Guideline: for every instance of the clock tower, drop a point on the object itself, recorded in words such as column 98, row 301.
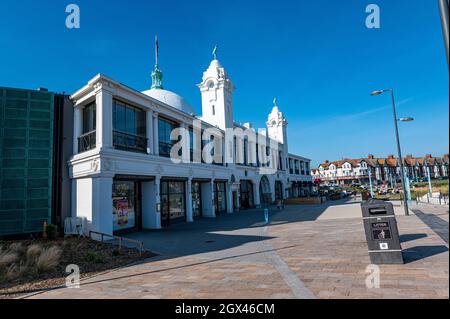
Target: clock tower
column 277, row 125
column 217, row 93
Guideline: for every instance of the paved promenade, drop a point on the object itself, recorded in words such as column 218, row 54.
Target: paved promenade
column 306, row 252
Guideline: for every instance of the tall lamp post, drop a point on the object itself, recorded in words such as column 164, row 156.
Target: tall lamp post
column 443, row 9
column 405, row 119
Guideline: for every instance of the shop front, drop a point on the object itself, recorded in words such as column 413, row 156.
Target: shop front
column 247, row 199
column 173, row 202
column 220, row 198
column 126, row 198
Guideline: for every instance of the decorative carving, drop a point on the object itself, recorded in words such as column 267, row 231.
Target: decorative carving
column 95, row 165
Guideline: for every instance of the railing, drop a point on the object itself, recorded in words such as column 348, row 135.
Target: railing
column 87, row 141
column 165, row 148
column 120, row 240
column 437, row 199
column 129, row 142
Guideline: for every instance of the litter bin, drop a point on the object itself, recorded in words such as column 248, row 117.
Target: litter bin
column 381, row 232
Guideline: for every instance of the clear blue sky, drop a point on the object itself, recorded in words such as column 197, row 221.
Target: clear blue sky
column 317, row 57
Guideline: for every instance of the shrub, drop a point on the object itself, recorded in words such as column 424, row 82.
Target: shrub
column 33, row 253
column 48, row 259
column 17, row 248
column 94, row 258
column 7, row 258
column 116, row 252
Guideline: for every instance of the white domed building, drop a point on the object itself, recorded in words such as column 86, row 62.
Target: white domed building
column 141, row 158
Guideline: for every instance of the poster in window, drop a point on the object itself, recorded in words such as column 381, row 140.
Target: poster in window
column 124, row 217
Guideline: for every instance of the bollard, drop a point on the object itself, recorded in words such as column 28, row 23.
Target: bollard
column 266, row 215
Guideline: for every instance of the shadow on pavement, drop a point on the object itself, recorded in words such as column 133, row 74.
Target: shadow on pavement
column 226, row 231
column 421, row 252
column 410, row 237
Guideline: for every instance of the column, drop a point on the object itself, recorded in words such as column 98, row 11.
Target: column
column 213, row 206
column 149, row 122
column 238, row 199
column 208, row 206
column 158, row 201
column 151, row 218
column 189, row 210
column 229, row 198
column 104, row 119
column 256, row 199
column 77, row 127
column 102, row 205
column 155, row 138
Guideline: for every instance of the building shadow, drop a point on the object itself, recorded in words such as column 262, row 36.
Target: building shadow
column 226, row 231
column 421, row 252
column 411, row 237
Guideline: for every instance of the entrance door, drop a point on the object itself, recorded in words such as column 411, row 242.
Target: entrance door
column 278, row 190
column 197, row 199
column 246, row 194
column 220, row 201
column 173, row 202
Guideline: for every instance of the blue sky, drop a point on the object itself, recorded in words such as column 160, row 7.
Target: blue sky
column 317, row 57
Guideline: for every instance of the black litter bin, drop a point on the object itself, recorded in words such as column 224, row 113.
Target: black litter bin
column 381, row 232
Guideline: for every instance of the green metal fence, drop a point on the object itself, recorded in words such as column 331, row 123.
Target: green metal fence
column 26, row 160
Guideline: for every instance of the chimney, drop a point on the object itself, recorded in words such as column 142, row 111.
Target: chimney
column 409, row 156
column 390, row 156
column 428, row 156
column 371, row 156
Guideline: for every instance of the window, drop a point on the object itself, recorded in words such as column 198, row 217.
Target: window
column 213, row 110
column 89, row 118
column 128, row 119
column 129, row 127
column 165, row 128
column 87, row 140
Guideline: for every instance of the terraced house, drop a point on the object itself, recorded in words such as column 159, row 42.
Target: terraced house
column 382, row 170
column 124, row 177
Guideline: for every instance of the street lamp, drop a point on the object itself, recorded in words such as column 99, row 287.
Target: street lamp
column 443, row 9
column 405, row 119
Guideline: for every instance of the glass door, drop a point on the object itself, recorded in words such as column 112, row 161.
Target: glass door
column 197, row 199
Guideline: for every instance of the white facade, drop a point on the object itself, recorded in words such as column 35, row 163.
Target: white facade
column 107, row 155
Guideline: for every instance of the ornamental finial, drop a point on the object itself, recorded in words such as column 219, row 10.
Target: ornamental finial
column 214, row 53
column 157, row 75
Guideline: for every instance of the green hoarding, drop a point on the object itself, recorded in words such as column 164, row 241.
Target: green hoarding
column 26, row 160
